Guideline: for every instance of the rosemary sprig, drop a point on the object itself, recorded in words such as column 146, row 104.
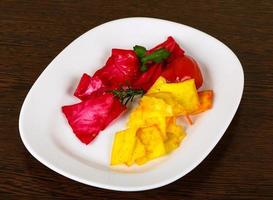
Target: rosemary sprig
column 126, row 94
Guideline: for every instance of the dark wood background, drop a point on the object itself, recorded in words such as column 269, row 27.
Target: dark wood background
column 240, row 167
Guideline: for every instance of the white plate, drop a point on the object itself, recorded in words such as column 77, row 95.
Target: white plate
column 48, row 137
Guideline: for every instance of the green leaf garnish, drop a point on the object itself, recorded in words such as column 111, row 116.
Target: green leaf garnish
column 140, row 51
column 143, row 68
column 157, row 56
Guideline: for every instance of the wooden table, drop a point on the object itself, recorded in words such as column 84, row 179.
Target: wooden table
column 240, row 167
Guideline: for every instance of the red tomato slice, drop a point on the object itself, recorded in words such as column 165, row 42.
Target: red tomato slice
column 183, row 68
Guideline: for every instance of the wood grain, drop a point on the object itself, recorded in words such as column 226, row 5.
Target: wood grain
column 240, row 167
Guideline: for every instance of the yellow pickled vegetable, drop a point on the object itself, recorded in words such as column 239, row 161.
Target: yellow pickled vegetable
column 175, row 135
column 177, row 108
column 153, row 142
column 152, row 130
column 152, row 111
column 156, row 86
column 153, row 106
column 185, row 92
column 123, row 147
column 136, row 118
column 139, row 152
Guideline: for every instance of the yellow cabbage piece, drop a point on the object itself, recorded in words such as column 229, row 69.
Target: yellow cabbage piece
column 154, row 106
column 123, row 146
column 185, row 92
column 156, row 86
column 138, row 153
column 168, row 97
column 153, row 142
column 152, row 130
column 155, row 111
column 135, row 118
column 175, row 134
column 152, row 111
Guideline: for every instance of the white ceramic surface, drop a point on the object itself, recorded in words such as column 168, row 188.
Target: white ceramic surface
column 48, row 137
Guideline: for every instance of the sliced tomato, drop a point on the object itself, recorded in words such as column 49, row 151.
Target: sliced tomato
column 183, row 68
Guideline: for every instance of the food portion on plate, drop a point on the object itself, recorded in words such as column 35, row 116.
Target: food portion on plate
column 152, row 131
column 167, row 81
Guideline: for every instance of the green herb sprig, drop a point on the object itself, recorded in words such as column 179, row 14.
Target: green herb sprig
column 127, row 94
column 157, row 56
